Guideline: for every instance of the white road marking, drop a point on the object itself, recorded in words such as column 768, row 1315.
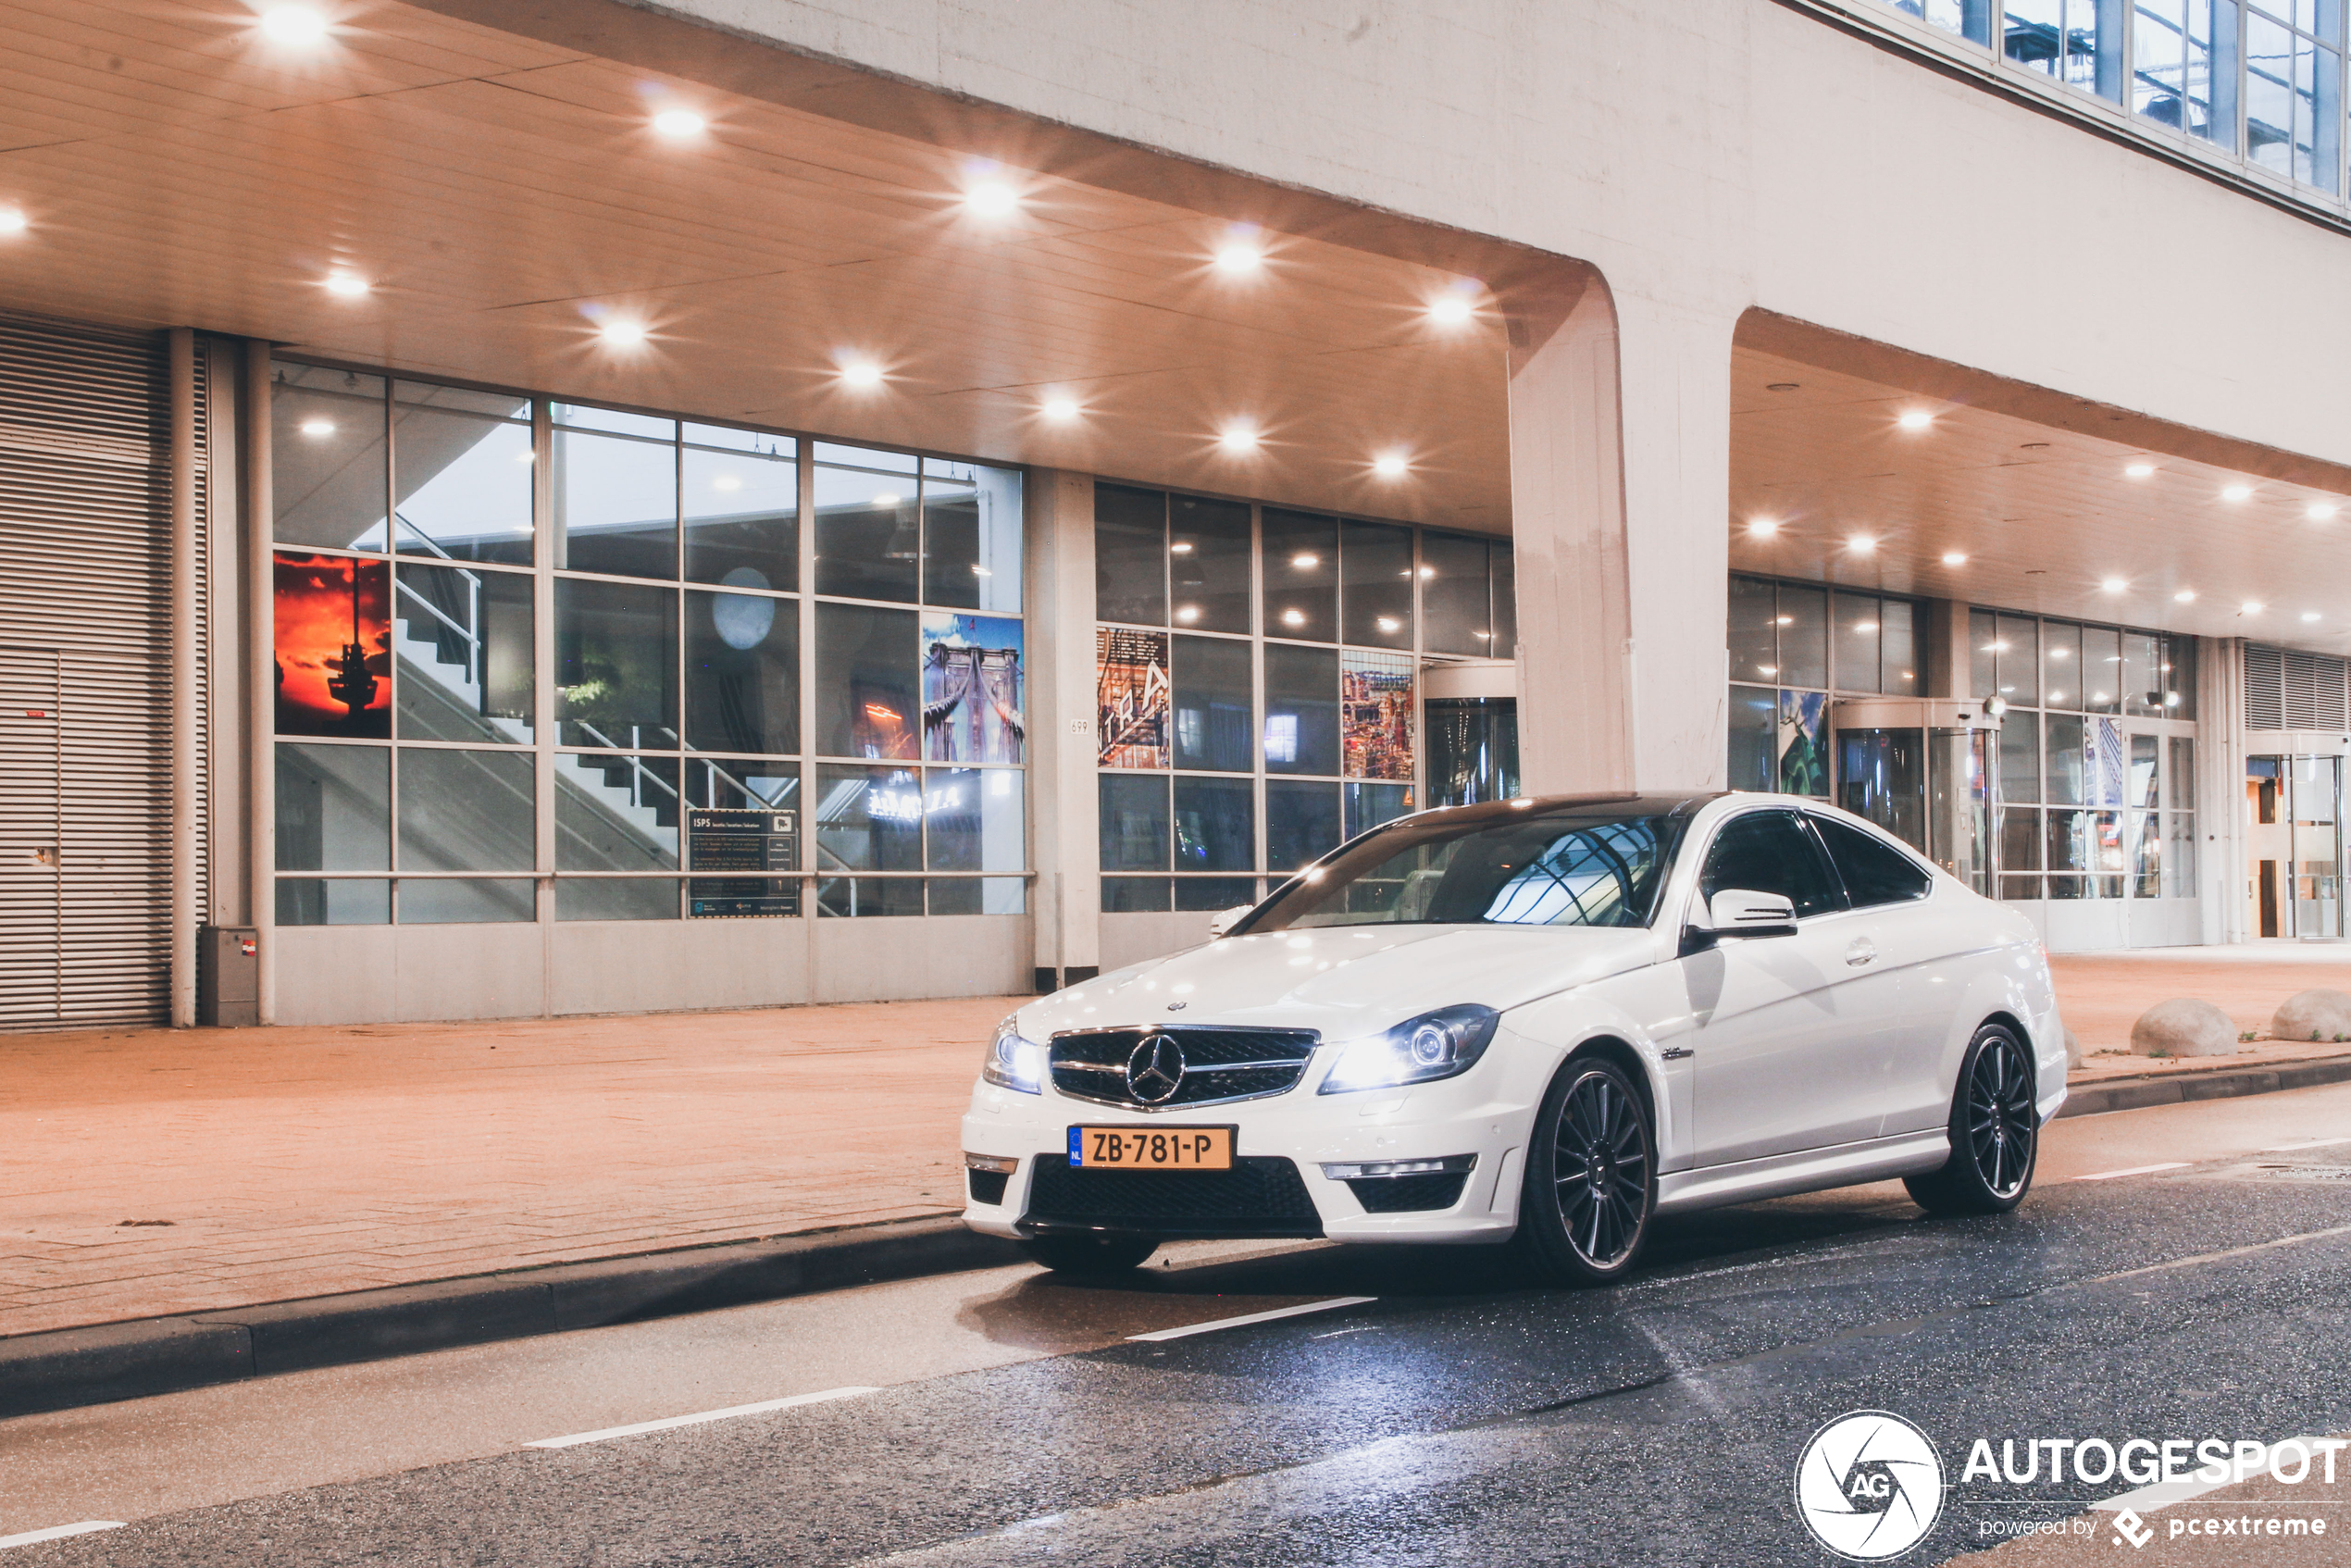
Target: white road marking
column 2163, row 1494
column 59, row 1532
column 1255, row 1317
column 667, row 1423
column 2135, row 1170
column 2307, row 1143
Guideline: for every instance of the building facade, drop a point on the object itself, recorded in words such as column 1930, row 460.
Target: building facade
column 509, row 511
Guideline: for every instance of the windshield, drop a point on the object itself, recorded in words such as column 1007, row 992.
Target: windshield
column 1578, row 866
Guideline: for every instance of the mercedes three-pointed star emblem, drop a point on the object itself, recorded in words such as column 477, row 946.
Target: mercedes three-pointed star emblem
column 1156, row 1070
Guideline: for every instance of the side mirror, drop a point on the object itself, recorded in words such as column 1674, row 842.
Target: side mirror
column 1740, row 912
column 1225, row 920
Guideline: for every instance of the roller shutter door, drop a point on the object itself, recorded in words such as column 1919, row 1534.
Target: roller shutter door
column 86, row 674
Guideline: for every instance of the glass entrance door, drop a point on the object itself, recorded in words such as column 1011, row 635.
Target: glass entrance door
column 2294, row 847
column 1472, row 750
column 1932, row 789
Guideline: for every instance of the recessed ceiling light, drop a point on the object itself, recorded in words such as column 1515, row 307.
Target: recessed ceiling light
column 1915, row 419
column 1305, row 561
column 1762, row 528
column 1239, row 256
column 1865, row 625
column 1181, row 547
column 347, row 285
column 1783, row 386
column 1389, row 623
column 1188, row 613
column 2186, row 596
column 1060, row 409
column 1239, row 438
column 1293, row 617
column 316, row 429
column 1954, row 558
column 992, row 198
column 1767, row 669
column 679, row 123
column 1388, row 466
column 1782, row 620
column 622, row 334
column 726, row 482
column 886, row 499
column 2309, row 615
column 2114, row 585
column 2319, row 511
column 2250, row 607
column 861, row 373
column 2139, row 470
column 1861, row 544
column 2236, row 492
column 1449, row 309
column 12, row 220
column 293, row 24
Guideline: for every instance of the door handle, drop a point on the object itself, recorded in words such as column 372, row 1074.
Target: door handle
column 1860, row 950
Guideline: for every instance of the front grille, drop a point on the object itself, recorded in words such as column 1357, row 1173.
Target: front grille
column 1400, row 1195
column 1219, row 1064
column 1262, row 1195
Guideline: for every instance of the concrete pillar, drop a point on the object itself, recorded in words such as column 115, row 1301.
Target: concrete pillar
column 2224, row 874
column 1943, row 644
column 1620, row 501
column 1065, row 904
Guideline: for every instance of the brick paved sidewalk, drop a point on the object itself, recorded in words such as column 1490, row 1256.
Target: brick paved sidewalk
column 301, row 1162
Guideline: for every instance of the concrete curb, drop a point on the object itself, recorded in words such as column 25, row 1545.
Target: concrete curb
column 67, row 1367
column 2132, row 1094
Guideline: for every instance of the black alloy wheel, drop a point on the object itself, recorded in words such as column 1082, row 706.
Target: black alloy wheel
column 1995, row 1132
column 1591, row 1177
column 1089, row 1257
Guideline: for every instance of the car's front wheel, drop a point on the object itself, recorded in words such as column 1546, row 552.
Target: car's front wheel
column 1591, row 1177
column 1995, row 1132
column 1089, row 1257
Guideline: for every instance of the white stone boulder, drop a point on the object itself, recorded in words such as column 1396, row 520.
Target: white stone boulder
column 2318, row 1014
column 2184, row 1027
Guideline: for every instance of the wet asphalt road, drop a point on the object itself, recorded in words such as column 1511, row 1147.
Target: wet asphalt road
column 1460, row 1417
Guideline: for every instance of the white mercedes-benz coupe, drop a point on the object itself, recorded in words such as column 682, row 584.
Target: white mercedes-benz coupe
column 1540, row 1021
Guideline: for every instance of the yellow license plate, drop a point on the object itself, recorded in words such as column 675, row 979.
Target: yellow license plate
column 1151, row 1149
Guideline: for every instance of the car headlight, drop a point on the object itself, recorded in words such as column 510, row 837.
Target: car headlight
column 1014, row 1063
column 1434, row 1045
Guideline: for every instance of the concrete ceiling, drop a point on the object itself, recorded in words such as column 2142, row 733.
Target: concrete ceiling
column 2046, row 513
column 505, row 194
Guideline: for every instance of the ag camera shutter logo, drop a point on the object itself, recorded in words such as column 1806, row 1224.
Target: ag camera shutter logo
column 1868, row 1486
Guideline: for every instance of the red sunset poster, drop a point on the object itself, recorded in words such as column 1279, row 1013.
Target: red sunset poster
column 334, row 646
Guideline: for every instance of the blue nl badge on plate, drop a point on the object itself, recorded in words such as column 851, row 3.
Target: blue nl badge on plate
column 1077, row 1145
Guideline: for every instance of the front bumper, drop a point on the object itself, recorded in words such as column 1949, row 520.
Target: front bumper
column 1281, row 1144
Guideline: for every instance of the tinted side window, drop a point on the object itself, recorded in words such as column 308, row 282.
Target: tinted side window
column 1769, row 852
column 1874, row 872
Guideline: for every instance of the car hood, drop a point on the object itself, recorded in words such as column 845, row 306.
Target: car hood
column 1343, row 981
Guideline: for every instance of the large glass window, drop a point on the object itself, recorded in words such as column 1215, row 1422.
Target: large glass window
column 1214, row 704
column 463, row 462
column 328, row 463
column 743, row 672
column 869, row 524
column 672, row 573
column 1208, row 550
column 462, row 652
column 615, row 491
column 1301, row 576
column 868, row 704
column 740, row 493
column 1314, row 715
column 616, row 664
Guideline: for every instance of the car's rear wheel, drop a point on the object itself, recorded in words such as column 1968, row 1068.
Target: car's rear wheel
column 1089, row 1257
column 1591, row 1177
column 1995, row 1132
